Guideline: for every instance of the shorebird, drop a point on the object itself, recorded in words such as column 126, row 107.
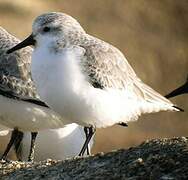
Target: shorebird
column 180, row 90
column 20, row 106
column 57, row 144
column 14, row 77
column 84, row 79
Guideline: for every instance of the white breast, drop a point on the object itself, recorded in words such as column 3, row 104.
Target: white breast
column 58, row 80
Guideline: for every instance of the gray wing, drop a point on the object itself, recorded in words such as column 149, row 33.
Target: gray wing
column 15, row 74
column 18, row 63
column 106, row 67
column 13, row 86
column 18, row 145
column 18, row 89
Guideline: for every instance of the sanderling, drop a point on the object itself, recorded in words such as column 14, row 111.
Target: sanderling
column 14, row 70
column 180, row 90
column 57, row 144
column 85, row 79
column 20, row 107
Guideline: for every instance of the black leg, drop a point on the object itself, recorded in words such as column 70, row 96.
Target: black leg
column 86, row 130
column 91, row 133
column 17, row 145
column 32, row 147
column 13, row 138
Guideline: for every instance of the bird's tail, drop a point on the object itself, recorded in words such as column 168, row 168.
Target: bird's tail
column 152, row 101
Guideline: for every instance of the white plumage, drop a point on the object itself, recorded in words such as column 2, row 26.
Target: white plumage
column 27, row 116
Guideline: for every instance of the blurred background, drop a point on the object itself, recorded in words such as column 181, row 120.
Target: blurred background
column 153, row 35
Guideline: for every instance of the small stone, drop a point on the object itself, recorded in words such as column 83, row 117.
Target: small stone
column 140, row 160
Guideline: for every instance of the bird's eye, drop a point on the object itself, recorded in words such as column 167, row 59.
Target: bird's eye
column 46, row 29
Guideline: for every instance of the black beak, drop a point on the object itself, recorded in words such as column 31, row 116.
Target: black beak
column 181, row 90
column 27, row 42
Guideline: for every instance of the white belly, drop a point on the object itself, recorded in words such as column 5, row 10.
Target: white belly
column 27, row 116
column 61, row 84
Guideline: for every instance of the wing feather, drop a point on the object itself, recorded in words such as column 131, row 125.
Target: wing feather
column 107, row 67
column 15, row 73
